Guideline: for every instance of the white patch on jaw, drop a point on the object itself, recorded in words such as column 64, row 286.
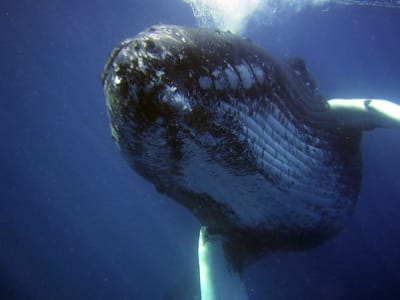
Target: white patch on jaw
column 232, row 77
column 175, row 99
column 205, row 82
column 245, row 75
column 117, row 80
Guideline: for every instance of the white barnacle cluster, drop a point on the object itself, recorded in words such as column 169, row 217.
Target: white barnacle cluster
column 175, row 99
column 156, row 79
column 174, row 34
column 115, row 78
column 142, row 65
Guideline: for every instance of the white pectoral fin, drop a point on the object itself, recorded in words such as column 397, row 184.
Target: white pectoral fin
column 218, row 279
column 366, row 113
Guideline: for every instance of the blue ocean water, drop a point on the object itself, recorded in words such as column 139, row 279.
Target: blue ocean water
column 77, row 223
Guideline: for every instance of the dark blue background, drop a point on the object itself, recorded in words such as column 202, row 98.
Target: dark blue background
column 77, row 223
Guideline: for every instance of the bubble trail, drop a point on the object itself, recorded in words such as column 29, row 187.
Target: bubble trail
column 234, row 15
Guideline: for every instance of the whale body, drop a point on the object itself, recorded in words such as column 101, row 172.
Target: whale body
column 243, row 141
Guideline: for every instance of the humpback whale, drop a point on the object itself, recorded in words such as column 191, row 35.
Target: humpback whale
column 245, row 142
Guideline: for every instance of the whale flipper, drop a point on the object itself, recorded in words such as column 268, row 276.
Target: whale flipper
column 219, row 278
column 366, row 113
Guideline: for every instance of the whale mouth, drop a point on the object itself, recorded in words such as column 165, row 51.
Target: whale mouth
column 234, row 136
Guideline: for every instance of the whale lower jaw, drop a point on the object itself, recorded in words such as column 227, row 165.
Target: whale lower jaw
column 244, row 203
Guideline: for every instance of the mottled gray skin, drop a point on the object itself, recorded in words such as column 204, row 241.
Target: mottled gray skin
column 244, row 142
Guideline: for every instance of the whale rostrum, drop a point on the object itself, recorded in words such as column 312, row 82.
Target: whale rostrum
column 245, row 142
